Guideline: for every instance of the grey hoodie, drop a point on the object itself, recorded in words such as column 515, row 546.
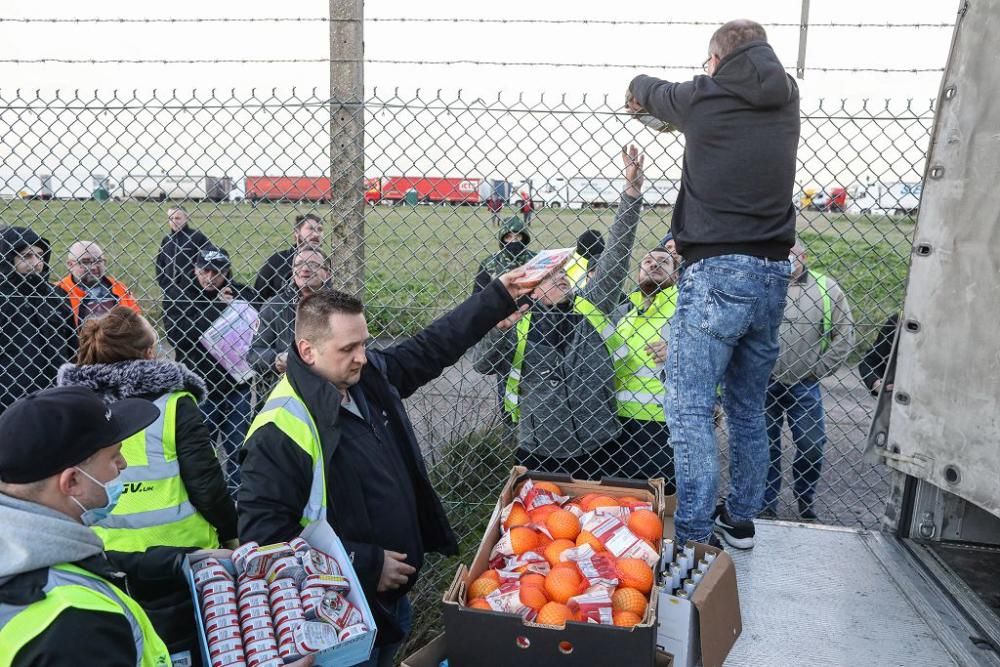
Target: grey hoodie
column 567, row 399
column 34, row 536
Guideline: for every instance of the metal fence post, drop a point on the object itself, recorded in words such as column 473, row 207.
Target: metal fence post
column 347, row 144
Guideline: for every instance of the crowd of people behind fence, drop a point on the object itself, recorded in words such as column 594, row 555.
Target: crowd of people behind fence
column 726, row 317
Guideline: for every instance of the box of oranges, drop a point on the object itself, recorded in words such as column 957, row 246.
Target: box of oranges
column 565, row 574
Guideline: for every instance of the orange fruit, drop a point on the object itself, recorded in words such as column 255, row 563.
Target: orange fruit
column 587, row 537
column 630, row 501
column 625, row 619
column 480, row 603
column 563, row 583
column 543, row 542
column 518, row 517
column 585, row 499
column 549, row 486
column 555, row 613
column 533, row 579
column 629, row 599
column 563, row 524
column 567, row 564
column 482, row 587
column 647, row 525
column 540, row 514
column 634, row 573
column 523, row 539
column 557, row 547
column 600, row 501
column 491, row 574
column 534, row 597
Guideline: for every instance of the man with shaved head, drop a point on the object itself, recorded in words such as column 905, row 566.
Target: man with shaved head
column 91, row 291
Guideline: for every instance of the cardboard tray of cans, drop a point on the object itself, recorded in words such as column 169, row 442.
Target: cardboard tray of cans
column 487, row 638
column 293, row 600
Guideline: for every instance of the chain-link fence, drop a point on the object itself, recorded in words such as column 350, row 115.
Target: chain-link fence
column 443, row 175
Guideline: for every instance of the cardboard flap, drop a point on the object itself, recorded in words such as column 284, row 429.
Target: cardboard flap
column 719, row 614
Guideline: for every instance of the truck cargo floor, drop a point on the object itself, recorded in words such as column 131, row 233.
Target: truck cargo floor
column 817, row 595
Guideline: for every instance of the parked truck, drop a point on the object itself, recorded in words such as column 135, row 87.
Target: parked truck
column 161, row 187
column 431, row 189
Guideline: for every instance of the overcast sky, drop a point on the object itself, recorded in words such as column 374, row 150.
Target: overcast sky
column 665, row 45
column 77, row 145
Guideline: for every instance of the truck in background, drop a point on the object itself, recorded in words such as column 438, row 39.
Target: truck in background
column 592, row 192
column 163, row 187
column 435, row 190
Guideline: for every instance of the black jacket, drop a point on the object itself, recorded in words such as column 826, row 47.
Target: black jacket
column 190, row 316
column 37, row 332
column 199, row 466
column 175, row 261
column 741, row 132
column 142, row 576
column 875, row 364
column 275, row 274
column 275, row 334
column 276, row 473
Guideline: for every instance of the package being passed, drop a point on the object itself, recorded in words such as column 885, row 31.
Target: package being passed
column 543, row 264
column 272, row 604
column 565, row 574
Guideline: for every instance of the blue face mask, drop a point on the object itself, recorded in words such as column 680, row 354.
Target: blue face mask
column 112, row 489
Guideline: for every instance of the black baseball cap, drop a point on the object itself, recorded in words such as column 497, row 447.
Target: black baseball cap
column 212, row 258
column 54, row 429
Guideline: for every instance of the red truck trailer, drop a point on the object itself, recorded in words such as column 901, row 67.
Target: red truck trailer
column 432, row 189
column 301, row 188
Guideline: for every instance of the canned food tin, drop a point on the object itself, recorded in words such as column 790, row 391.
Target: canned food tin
column 253, row 587
column 285, row 595
column 251, row 613
column 227, row 646
column 219, row 587
column 288, row 615
column 287, row 605
column 287, row 567
column 258, row 634
column 253, row 601
column 218, row 599
column 281, row 585
column 352, row 631
column 288, row 652
column 317, row 562
column 209, row 574
column 312, row 637
column 216, row 610
column 257, row 623
column 223, row 634
column 256, row 648
column 286, row 630
column 220, row 622
column 298, row 544
column 330, row 582
column 257, row 562
column 231, row 659
column 335, row 609
column 240, row 554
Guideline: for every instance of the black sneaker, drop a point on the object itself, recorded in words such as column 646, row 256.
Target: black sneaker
column 714, row 541
column 767, row 514
column 807, row 513
column 738, row 534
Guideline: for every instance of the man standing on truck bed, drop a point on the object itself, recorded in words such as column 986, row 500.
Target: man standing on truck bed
column 733, row 224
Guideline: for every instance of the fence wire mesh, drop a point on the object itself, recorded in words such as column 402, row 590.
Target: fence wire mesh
column 442, row 174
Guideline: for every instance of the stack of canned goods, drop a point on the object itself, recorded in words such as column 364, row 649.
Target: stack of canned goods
column 286, row 601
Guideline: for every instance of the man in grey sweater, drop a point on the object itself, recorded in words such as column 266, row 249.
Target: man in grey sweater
column 555, row 356
column 816, row 335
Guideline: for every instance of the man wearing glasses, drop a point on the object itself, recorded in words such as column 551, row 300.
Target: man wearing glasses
column 91, row 291
column 733, row 225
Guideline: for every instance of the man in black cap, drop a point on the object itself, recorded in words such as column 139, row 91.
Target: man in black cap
column 62, row 602
column 227, row 404
column 589, row 247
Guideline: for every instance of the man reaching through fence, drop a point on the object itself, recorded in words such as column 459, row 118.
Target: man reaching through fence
column 733, row 224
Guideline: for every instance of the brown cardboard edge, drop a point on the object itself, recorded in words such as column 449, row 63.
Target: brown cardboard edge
column 717, row 599
column 430, row 655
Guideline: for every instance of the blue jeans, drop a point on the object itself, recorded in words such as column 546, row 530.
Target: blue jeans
column 802, row 404
column 724, row 332
column 229, row 420
column 383, row 656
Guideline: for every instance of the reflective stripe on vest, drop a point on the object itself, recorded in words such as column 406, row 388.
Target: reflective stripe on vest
column 576, row 270
column 824, row 290
column 639, row 386
column 155, row 509
column 71, row 587
column 581, row 306
column 289, row 414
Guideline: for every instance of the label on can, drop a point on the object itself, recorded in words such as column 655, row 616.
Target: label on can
column 257, row 562
column 285, row 630
column 253, row 601
column 226, row 646
column 209, row 574
column 298, row 544
column 352, row 631
column 281, row 585
column 219, row 587
column 253, row 587
column 223, row 634
column 222, row 622
column 257, row 623
column 331, row 582
column 285, row 595
column 258, row 634
column 240, row 553
column 254, row 649
column 252, row 613
column 335, row 609
column 218, row 599
column 287, row 567
column 317, row 562
column 312, row 637
column 288, row 652
column 231, row 659
column 216, row 610
column 287, row 605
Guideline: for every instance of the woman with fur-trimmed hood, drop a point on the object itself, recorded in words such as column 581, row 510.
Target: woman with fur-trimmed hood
column 117, row 358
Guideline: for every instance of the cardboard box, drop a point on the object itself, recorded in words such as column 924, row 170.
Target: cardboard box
column 489, row 639
column 318, row 534
column 706, row 626
column 432, row 654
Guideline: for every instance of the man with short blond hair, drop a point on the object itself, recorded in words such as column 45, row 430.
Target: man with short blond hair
column 91, row 291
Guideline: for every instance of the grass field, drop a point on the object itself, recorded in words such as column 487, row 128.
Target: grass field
column 421, row 260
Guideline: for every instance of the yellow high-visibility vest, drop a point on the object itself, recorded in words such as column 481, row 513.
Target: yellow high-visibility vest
column 639, row 386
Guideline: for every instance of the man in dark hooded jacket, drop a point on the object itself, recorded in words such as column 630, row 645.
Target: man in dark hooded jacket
column 514, row 240
column 36, row 324
column 733, row 225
